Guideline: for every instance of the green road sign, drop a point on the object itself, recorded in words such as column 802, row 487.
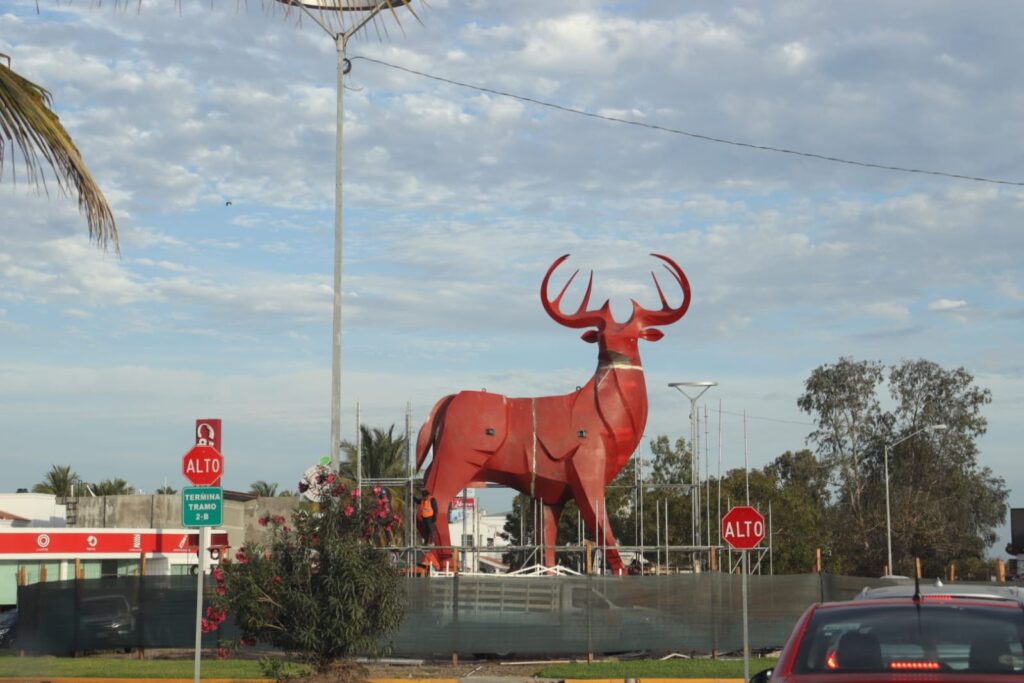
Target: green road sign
column 202, row 506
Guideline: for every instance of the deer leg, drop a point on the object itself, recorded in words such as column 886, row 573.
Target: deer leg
column 444, row 490
column 588, row 490
column 552, row 513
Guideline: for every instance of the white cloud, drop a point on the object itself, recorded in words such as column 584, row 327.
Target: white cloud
column 943, row 305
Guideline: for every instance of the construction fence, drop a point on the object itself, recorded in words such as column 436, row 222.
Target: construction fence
column 464, row 615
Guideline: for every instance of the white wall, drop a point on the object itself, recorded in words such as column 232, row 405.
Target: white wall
column 41, row 509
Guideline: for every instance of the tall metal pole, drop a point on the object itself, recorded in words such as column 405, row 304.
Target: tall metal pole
column 359, row 451
column 719, row 472
column 888, row 518
column 698, row 388
column 340, row 41
column 746, row 467
column 343, row 65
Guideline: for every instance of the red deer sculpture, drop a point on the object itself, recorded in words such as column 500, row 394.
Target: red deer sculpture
column 553, row 448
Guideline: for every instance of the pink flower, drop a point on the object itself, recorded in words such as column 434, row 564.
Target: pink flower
column 277, row 580
column 330, row 478
column 240, row 556
column 222, row 653
column 218, row 574
column 278, row 519
column 356, row 493
column 349, row 510
column 376, row 490
column 222, row 590
column 262, row 521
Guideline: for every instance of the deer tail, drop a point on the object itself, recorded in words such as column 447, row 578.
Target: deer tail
column 430, row 430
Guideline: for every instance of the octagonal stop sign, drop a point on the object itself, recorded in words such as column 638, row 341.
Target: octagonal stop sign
column 203, row 466
column 743, row 527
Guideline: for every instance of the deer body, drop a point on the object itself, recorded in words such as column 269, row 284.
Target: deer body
column 552, row 448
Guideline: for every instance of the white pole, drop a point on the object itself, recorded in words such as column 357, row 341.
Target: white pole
column 340, row 44
column 707, row 481
column 359, row 452
column 746, row 468
column 719, row 472
column 746, row 630
column 204, row 542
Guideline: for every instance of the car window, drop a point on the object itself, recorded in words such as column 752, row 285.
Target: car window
column 930, row 637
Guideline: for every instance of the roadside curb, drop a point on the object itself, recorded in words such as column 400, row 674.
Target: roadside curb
column 644, row 679
column 517, row 679
column 89, row 679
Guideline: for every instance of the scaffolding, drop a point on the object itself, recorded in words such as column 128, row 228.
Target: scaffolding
column 661, row 557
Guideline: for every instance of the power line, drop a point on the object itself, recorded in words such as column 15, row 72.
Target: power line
column 763, row 419
column 696, row 136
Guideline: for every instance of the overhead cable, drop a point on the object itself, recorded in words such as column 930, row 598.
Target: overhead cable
column 696, row 136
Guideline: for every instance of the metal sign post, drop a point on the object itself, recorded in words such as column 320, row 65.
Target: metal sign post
column 746, row 625
column 204, row 542
column 202, row 506
column 743, row 529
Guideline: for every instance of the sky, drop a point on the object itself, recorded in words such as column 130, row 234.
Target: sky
column 211, row 128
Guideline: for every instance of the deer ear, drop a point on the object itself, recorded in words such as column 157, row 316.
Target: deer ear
column 652, row 334
column 590, row 336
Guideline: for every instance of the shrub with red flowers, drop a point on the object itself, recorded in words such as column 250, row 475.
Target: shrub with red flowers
column 321, row 589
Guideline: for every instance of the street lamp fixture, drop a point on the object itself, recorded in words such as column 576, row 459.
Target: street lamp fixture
column 694, row 390
column 888, row 519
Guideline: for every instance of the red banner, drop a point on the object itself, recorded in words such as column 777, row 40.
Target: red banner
column 208, row 433
column 59, row 541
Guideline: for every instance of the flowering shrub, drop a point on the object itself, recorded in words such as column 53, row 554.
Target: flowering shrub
column 320, row 589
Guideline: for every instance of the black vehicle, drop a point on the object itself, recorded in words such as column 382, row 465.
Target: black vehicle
column 8, row 624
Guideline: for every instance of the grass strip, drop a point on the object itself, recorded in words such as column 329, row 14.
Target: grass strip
column 656, row 668
column 103, row 667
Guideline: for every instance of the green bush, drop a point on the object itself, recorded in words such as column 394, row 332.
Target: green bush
column 320, row 591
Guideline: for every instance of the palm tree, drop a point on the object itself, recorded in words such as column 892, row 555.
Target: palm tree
column 166, row 490
column 384, row 456
column 263, row 489
column 28, row 123
column 112, row 487
column 59, row 480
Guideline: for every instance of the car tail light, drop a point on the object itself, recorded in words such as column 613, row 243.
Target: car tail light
column 915, row 666
column 937, row 597
column 831, row 662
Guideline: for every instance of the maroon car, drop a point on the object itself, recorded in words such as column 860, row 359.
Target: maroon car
column 908, row 634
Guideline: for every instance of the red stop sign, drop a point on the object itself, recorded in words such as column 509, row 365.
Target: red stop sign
column 743, row 527
column 203, row 466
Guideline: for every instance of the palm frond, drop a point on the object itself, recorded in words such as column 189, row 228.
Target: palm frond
column 29, row 124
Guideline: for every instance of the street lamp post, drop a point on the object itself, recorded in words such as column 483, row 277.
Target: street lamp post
column 888, row 518
column 693, row 391
column 363, row 11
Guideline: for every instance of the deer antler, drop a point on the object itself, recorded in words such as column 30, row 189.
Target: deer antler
column 666, row 315
column 582, row 317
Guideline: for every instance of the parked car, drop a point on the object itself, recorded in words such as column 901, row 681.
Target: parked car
column 901, row 633
column 106, row 621
column 8, row 624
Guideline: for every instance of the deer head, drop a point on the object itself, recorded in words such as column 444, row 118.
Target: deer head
column 617, row 342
